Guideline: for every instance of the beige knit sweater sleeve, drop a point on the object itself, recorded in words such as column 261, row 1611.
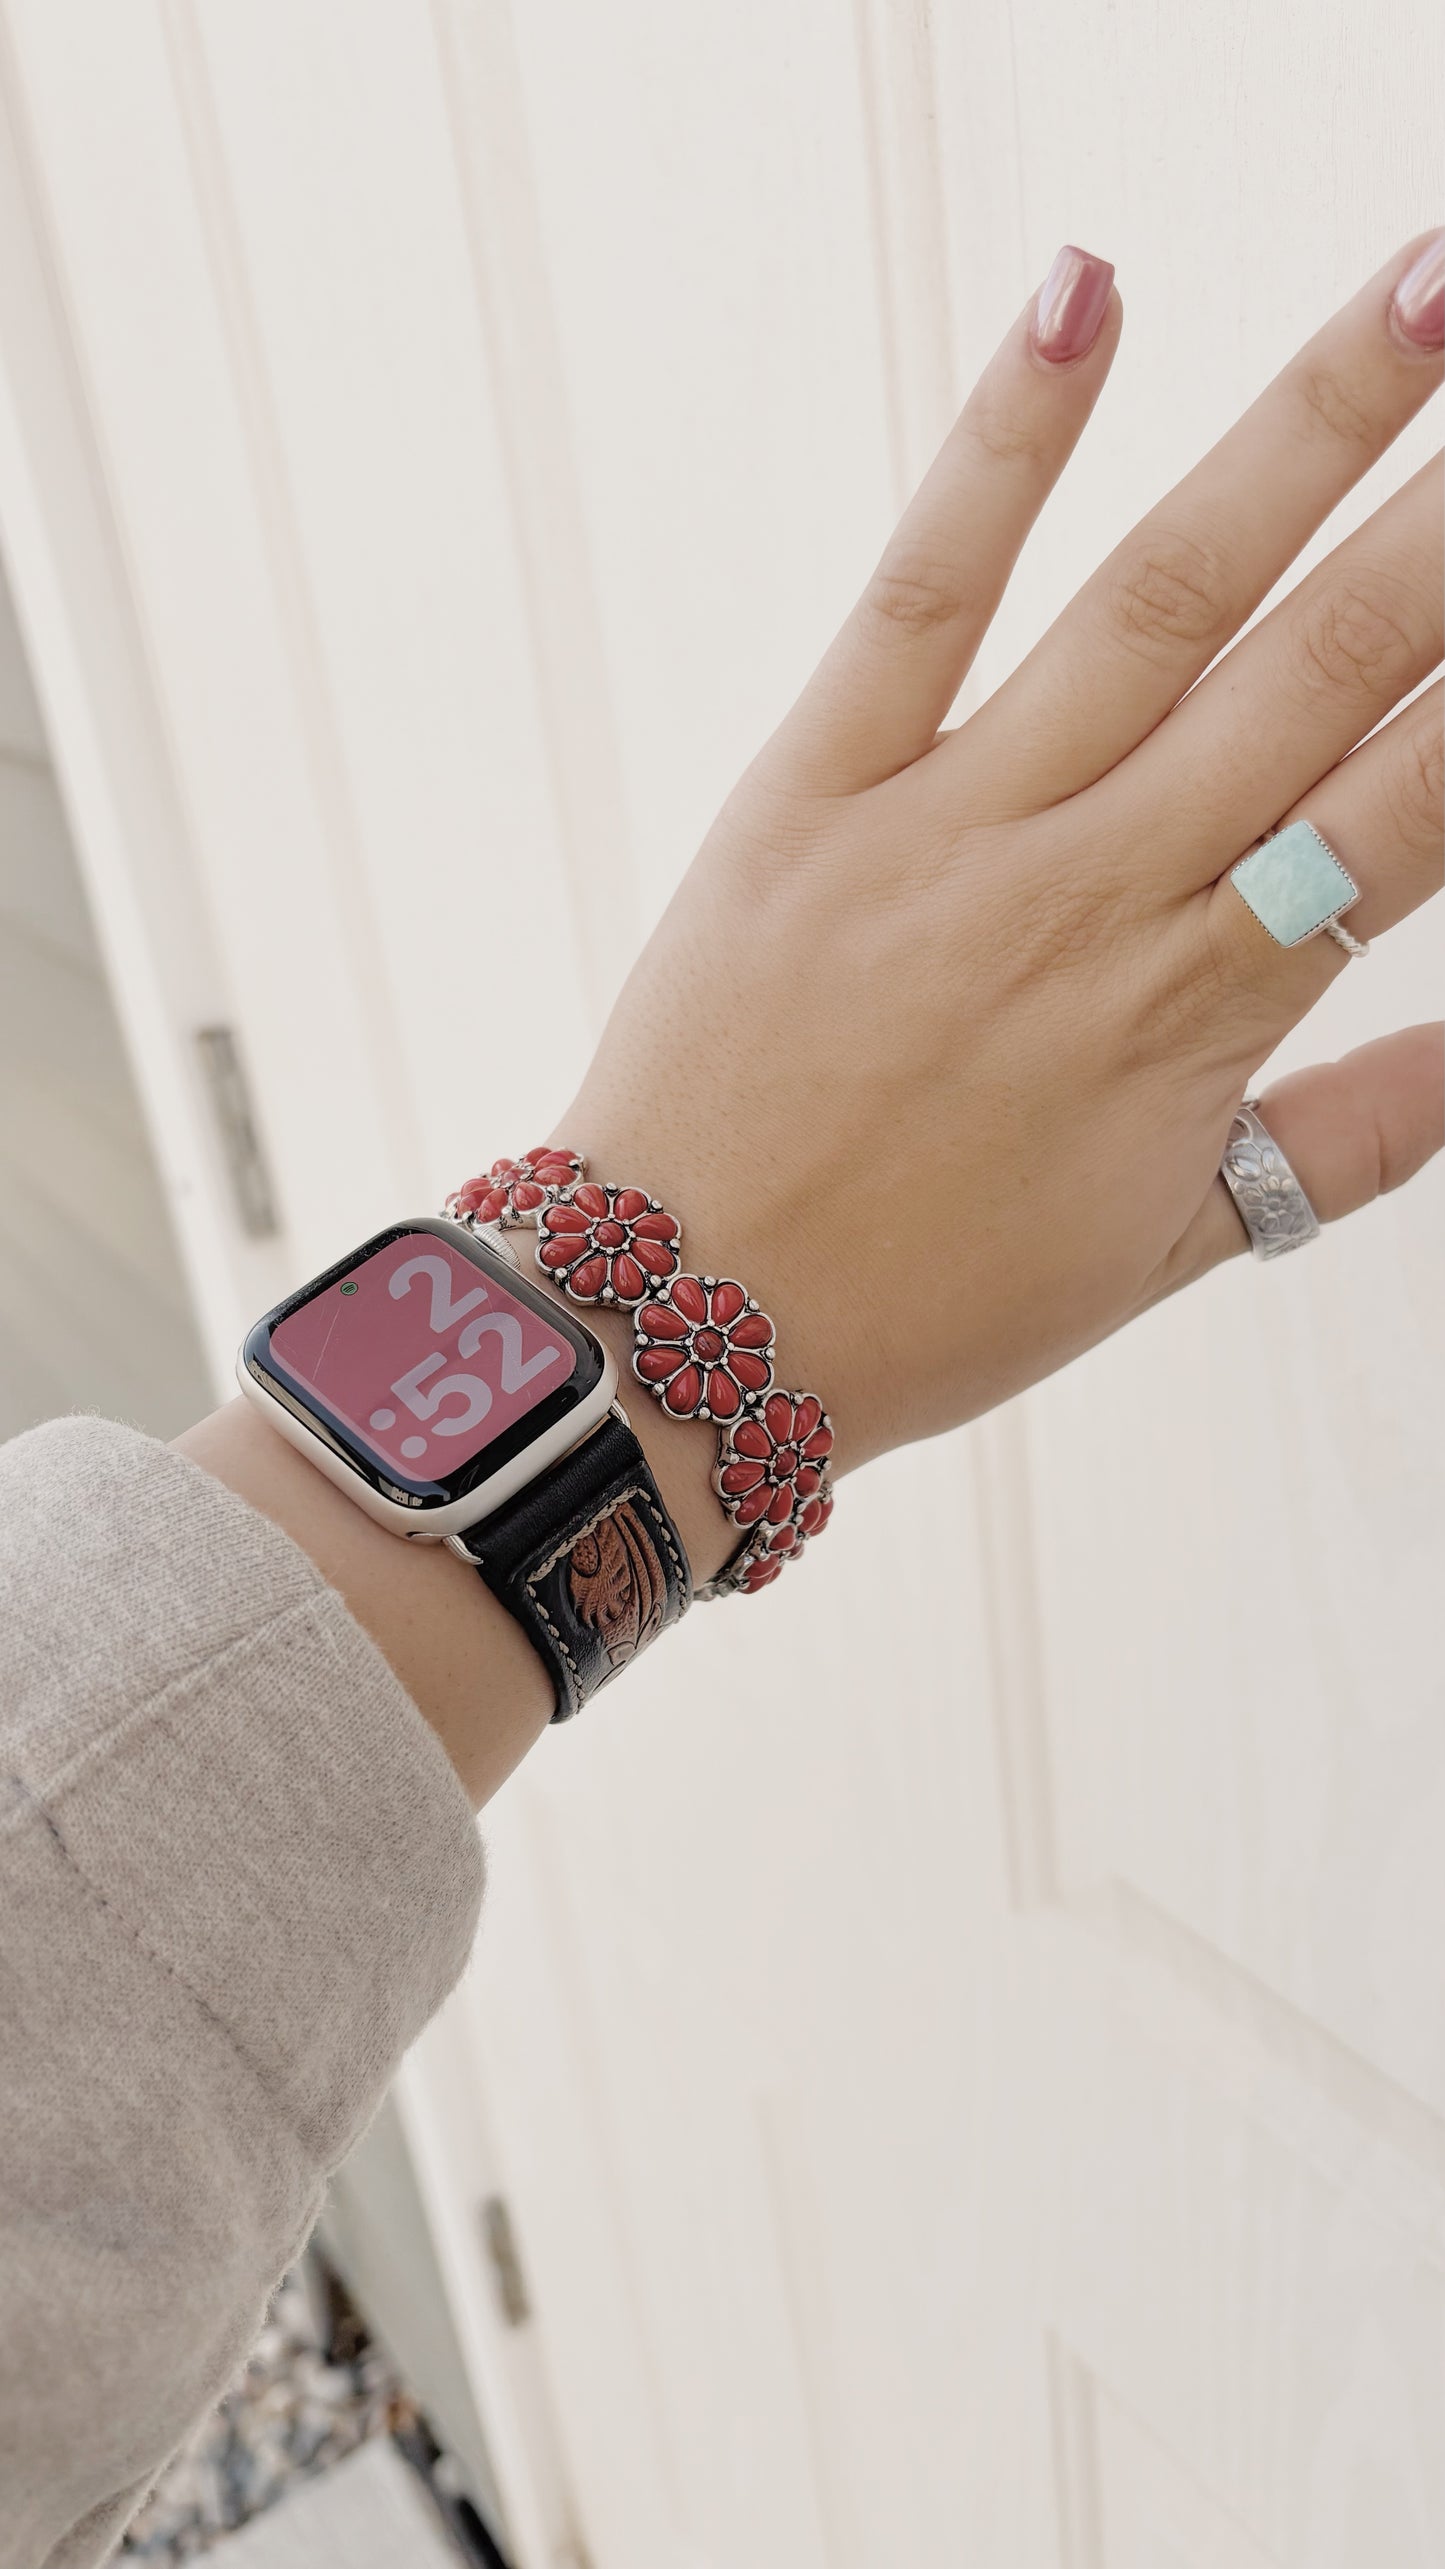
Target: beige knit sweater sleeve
column 237, row 1874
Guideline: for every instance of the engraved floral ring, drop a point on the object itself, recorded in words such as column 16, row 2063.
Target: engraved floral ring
column 1271, row 1203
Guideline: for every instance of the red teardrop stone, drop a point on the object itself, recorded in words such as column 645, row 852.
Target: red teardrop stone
column 756, row 1331
column 628, row 1202
column 728, row 1299
column 657, row 1256
column 658, row 1320
column 683, row 1392
column 655, row 1226
column 753, row 1372
column 735, row 1478
column 628, row 1280
column 778, row 1414
column 657, row 1364
column 751, row 1437
column 723, row 1397
column 689, row 1297
column 589, row 1278
column 593, row 1200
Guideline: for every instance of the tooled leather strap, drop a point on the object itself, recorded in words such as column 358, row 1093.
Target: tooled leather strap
column 589, row 1562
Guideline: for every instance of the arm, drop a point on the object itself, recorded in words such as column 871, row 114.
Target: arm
column 938, row 1047
column 969, row 972
column 457, row 1651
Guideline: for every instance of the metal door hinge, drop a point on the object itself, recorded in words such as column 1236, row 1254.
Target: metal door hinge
column 225, row 1079
column 506, row 2263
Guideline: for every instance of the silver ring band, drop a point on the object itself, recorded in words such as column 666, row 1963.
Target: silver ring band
column 1269, row 1199
column 1342, row 937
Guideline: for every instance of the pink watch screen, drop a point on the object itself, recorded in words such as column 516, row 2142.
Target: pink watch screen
column 425, row 1360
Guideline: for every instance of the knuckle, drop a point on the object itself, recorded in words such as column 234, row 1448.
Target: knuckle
column 1333, row 405
column 1356, row 642
column 1001, row 437
column 912, row 597
column 1172, row 589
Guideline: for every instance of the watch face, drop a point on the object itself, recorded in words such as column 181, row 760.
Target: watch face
column 426, row 1361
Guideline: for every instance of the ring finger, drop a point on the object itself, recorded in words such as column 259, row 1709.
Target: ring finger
column 1381, row 812
column 1291, row 698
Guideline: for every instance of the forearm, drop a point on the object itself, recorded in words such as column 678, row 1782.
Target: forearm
column 465, row 1663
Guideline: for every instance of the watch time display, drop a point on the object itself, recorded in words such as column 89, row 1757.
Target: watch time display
column 427, row 1359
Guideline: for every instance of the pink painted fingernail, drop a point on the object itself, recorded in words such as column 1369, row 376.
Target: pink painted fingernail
column 1073, row 300
column 1419, row 301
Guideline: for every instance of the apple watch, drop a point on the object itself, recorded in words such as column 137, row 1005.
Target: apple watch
column 457, row 1402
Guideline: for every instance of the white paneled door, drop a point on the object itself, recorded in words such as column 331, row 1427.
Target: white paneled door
column 962, row 2041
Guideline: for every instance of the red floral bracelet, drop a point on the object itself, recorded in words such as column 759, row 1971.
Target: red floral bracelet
column 701, row 1345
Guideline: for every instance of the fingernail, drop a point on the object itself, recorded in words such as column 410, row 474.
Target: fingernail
column 1072, row 302
column 1419, row 302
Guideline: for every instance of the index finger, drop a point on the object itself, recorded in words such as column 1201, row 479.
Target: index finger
column 882, row 689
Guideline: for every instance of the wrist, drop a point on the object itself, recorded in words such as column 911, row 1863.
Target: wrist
column 750, row 1498
column 679, row 1453
column 809, row 1272
column 746, row 1237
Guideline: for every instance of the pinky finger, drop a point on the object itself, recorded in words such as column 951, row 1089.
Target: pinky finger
column 1351, row 1130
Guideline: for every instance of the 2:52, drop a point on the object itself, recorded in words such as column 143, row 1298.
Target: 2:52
column 418, row 1389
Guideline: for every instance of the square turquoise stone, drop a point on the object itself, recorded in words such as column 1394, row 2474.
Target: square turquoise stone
column 1294, row 884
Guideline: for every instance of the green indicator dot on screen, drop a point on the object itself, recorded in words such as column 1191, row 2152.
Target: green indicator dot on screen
column 351, row 1288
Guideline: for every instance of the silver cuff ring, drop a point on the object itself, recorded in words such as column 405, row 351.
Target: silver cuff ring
column 1271, row 1203
column 1296, row 887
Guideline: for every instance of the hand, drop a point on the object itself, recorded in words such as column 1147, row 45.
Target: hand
column 939, row 1043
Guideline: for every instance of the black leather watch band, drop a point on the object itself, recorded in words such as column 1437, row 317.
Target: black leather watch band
column 588, row 1560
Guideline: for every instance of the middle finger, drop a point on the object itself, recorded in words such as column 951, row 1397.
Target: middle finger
column 1291, row 699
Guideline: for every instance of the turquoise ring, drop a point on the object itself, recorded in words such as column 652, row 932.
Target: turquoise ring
column 1297, row 888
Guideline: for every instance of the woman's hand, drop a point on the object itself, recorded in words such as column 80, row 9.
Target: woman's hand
column 939, row 1043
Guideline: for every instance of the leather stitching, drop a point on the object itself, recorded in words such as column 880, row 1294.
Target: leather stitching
column 574, row 1536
